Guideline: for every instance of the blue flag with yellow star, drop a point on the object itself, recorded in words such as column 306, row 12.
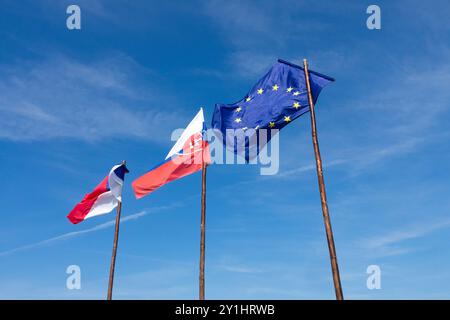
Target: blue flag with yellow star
column 277, row 99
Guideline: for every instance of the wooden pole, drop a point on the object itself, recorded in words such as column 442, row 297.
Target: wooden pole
column 114, row 251
column 323, row 195
column 202, row 235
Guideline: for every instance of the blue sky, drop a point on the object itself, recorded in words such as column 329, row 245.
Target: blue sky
column 74, row 103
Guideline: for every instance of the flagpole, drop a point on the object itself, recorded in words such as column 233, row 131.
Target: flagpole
column 114, row 251
column 323, row 195
column 202, row 234
column 201, row 279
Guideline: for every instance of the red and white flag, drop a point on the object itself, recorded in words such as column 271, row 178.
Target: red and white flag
column 103, row 199
column 186, row 157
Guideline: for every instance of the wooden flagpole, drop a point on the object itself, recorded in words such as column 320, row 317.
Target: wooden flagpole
column 323, row 195
column 114, row 251
column 202, row 233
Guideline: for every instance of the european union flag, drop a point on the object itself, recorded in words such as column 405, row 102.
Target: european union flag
column 277, row 99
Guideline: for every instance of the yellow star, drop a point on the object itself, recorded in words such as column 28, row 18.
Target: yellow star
column 296, row 93
column 248, row 99
column 237, row 120
column 275, row 87
column 260, row 91
column 271, row 124
column 238, row 109
column 289, row 89
column 296, row 105
column 287, row 119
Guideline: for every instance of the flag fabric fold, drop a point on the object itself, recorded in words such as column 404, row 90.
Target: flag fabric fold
column 186, row 157
column 103, row 199
column 277, row 99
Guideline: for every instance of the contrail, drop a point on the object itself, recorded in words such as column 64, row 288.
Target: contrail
column 73, row 234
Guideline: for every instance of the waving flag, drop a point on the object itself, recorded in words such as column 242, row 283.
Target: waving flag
column 277, row 99
column 185, row 157
column 103, row 199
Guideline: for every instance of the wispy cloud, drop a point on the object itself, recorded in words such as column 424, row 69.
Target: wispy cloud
column 249, row 23
column 259, row 32
column 293, row 173
column 59, row 97
column 73, row 234
column 409, row 232
column 357, row 160
column 389, row 243
column 239, row 269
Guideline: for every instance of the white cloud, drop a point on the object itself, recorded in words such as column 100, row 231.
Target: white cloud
column 239, row 269
column 63, row 98
column 406, row 233
column 390, row 244
column 259, row 32
column 73, row 234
